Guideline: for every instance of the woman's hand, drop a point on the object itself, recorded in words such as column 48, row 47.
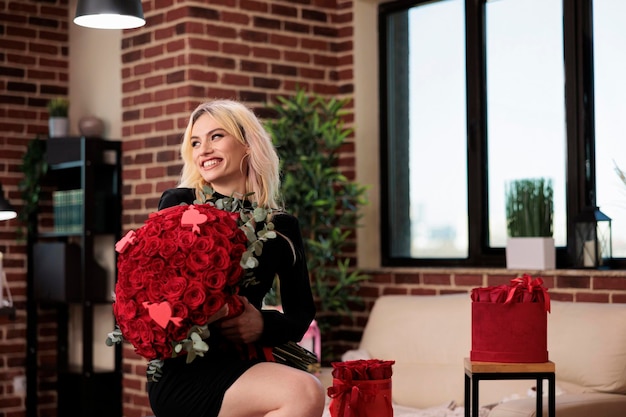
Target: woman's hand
column 244, row 328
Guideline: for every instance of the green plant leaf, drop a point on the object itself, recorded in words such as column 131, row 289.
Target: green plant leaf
column 309, row 133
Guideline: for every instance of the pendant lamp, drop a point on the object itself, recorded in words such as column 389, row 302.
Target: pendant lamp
column 7, row 212
column 109, row 14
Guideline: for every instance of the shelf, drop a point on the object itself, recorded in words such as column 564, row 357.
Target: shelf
column 72, row 268
column 65, row 165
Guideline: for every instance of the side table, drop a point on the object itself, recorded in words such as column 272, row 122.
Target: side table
column 476, row 371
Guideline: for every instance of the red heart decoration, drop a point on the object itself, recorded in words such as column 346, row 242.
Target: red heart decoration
column 161, row 313
column 193, row 217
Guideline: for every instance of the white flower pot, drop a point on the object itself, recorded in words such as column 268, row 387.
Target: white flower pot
column 536, row 253
column 58, row 127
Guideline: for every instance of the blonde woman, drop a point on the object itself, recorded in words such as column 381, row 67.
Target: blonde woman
column 226, row 148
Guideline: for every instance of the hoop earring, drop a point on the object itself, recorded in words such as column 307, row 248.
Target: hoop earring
column 241, row 163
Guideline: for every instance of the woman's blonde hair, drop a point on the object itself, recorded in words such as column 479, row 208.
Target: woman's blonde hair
column 261, row 165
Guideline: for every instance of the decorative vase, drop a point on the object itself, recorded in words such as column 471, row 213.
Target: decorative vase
column 530, row 253
column 58, row 127
column 91, row 126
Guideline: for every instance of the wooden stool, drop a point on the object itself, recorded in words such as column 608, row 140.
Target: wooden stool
column 475, row 371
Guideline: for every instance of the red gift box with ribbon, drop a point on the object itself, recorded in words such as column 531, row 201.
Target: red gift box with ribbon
column 510, row 322
column 361, row 388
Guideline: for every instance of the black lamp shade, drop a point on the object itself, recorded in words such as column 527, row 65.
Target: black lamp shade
column 7, row 212
column 109, row 14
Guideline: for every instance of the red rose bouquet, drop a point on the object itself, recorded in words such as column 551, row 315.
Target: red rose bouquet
column 524, row 289
column 181, row 271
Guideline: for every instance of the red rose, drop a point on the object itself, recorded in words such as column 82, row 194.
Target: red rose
column 198, row 261
column 153, row 244
column 177, row 259
column 362, row 369
column 174, row 288
column 186, row 239
column 167, row 249
column 213, row 278
column 194, row 295
column 220, row 258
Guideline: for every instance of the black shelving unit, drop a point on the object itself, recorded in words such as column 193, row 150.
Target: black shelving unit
column 68, row 273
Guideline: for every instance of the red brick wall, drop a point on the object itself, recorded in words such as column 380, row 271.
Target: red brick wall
column 33, row 69
column 190, row 51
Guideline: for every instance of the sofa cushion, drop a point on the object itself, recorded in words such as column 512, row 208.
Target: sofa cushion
column 570, row 405
column 587, row 343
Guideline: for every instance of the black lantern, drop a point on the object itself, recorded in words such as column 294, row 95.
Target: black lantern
column 593, row 243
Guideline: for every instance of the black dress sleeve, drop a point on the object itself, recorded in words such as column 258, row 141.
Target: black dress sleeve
column 175, row 196
column 286, row 254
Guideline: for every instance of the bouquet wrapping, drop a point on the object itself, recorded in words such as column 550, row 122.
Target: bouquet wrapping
column 176, row 274
column 361, row 388
column 509, row 322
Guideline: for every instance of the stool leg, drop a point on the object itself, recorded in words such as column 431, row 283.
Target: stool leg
column 552, row 396
column 539, row 397
column 475, row 381
column 467, row 396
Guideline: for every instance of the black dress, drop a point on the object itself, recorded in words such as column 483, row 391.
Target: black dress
column 197, row 389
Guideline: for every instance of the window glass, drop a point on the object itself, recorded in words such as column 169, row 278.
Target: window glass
column 436, row 167
column 609, row 34
column 525, row 104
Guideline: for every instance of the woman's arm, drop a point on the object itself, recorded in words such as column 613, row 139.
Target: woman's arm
column 295, row 286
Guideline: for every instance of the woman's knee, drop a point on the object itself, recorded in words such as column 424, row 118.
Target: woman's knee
column 311, row 394
column 314, row 388
column 276, row 389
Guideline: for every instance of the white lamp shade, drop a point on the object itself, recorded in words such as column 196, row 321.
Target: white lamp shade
column 109, row 14
column 7, row 215
column 6, row 210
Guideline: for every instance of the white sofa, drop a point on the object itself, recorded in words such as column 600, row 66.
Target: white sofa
column 429, row 337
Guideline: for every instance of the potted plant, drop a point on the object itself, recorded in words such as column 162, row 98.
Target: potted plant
column 58, row 124
column 34, row 166
column 529, row 214
column 308, row 133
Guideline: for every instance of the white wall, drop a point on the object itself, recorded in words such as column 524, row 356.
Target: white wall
column 366, row 101
column 95, row 88
column 95, row 80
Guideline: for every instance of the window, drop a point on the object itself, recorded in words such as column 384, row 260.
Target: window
column 475, row 94
column 609, row 37
column 427, row 130
column 525, row 104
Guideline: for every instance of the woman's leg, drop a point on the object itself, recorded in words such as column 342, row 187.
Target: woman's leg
column 274, row 390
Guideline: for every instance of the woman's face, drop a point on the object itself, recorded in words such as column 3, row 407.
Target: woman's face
column 218, row 156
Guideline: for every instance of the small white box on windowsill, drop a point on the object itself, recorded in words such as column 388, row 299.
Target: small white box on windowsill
column 530, row 253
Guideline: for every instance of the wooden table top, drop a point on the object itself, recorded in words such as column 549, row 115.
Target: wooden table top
column 505, row 367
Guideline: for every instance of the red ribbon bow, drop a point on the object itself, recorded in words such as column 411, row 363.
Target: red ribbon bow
column 529, row 289
column 524, row 289
column 359, row 394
